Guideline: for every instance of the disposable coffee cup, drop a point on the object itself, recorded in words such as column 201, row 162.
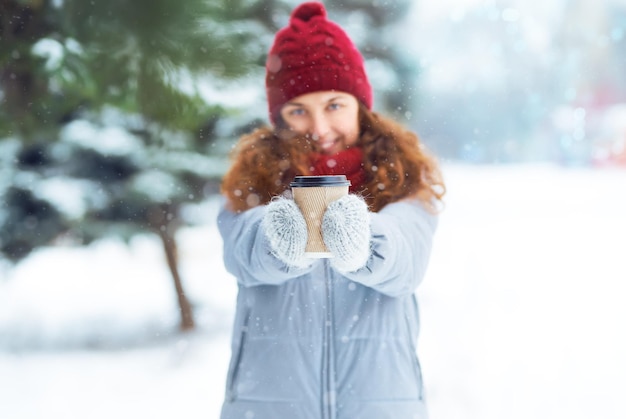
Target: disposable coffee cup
column 312, row 194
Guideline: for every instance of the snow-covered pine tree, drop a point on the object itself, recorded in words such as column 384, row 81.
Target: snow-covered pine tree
column 103, row 130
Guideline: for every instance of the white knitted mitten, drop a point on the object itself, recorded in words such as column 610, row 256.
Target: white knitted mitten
column 285, row 228
column 346, row 232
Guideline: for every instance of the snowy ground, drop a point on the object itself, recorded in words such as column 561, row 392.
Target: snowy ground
column 522, row 312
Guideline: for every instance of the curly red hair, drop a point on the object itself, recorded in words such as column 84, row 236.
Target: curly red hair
column 397, row 164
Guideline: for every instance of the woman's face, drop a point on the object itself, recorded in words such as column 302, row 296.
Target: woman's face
column 329, row 117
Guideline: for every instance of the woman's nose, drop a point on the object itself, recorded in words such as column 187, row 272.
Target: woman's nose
column 319, row 126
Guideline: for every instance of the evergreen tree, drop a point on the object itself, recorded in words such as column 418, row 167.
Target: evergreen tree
column 101, row 100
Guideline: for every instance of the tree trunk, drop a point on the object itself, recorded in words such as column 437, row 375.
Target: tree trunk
column 171, row 253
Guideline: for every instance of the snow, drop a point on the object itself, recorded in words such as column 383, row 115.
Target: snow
column 109, row 140
column 521, row 311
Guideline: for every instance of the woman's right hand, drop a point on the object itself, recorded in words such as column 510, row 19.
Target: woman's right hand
column 286, row 231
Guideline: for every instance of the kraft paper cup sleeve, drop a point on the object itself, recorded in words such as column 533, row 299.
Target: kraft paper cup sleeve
column 313, row 201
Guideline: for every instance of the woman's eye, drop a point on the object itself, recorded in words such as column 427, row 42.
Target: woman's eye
column 296, row 112
column 334, row 106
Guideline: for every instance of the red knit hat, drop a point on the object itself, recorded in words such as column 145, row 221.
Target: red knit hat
column 313, row 54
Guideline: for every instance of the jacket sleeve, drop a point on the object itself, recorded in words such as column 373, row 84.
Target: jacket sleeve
column 402, row 237
column 247, row 253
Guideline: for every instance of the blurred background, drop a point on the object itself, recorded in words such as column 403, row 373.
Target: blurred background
column 116, row 121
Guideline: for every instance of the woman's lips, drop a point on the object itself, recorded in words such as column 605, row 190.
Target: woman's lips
column 327, row 145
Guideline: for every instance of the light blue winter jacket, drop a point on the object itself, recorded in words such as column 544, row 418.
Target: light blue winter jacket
column 315, row 344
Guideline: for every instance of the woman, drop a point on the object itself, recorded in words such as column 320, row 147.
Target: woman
column 326, row 338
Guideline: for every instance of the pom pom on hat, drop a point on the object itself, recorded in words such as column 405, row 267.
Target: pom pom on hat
column 313, row 54
column 306, row 11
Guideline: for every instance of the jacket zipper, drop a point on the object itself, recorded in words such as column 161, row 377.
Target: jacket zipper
column 329, row 392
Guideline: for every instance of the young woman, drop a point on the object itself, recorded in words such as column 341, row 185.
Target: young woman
column 326, row 338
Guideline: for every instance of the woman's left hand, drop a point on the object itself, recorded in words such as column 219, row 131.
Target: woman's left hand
column 346, row 233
